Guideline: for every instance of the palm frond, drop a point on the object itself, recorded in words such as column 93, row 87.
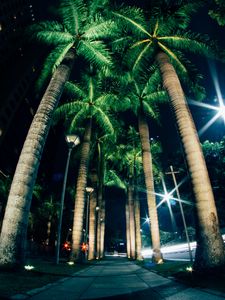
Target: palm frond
column 152, row 83
column 99, row 29
column 51, row 62
column 73, row 90
column 60, row 58
column 191, row 42
column 173, row 57
column 102, row 120
column 49, row 33
column 148, row 110
column 73, row 13
column 112, row 179
column 138, row 58
column 121, row 43
column 132, row 19
column 156, row 97
column 44, row 26
column 184, row 14
column 96, row 6
column 68, row 110
column 95, row 52
column 79, row 119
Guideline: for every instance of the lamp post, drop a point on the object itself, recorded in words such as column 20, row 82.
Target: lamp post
column 181, row 210
column 89, row 190
column 72, row 141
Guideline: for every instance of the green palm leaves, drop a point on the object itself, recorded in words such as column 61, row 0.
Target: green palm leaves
column 88, row 103
column 159, row 34
column 76, row 29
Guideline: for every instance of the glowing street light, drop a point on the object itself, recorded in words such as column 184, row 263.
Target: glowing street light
column 72, row 141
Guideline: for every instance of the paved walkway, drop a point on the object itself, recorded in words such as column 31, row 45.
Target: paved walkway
column 116, row 278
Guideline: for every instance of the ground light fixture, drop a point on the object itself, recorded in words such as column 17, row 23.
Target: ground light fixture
column 72, row 141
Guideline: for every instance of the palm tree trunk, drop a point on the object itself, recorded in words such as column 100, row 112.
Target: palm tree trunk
column 147, row 167
column 128, row 228
column 80, row 195
column 137, row 225
column 102, row 227
column 210, row 249
column 98, row 243
column 92, row 225
column 14, row 227
column 130, row 194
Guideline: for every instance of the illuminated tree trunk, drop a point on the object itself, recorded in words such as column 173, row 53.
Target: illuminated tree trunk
column 210, row 249
column 130, row 195
column 128, row 228
column 102, row 221
column 98, row 243
column 147, row 168
column 80, row 195
column 92, row 225
column 137, row 226
column 15, row 223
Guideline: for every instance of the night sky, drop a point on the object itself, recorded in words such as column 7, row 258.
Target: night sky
column 115, row 224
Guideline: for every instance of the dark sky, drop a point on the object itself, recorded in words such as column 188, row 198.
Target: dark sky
column 204, row 24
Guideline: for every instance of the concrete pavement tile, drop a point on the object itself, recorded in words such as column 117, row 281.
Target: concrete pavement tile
column 103, row 293
column 193, row 294
column 119, row 285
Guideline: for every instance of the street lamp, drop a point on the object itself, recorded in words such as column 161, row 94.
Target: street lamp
column 72, row 141
column 89, row 190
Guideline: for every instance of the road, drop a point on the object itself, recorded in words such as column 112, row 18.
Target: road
column 174, row 252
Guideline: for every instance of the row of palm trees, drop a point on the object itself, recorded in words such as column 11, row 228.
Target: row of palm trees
column 145, row 67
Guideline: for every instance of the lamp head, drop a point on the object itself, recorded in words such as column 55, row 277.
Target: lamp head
column 89, row 189
column 72, row 140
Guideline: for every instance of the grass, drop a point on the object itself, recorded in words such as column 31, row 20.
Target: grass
column 44, row 272
column 178, row 270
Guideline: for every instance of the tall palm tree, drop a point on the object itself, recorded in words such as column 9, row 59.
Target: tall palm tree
column 124, row 158
column 79, row 33
column 143, row 97
column 90, row 109
column 160, row 41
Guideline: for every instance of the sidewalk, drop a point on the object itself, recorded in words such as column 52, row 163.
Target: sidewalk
column 117, row 278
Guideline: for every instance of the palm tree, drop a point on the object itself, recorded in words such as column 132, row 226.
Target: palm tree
column 158, row 40
column 143, row 97
column 91, row 109
column 79, row 34
column 124, row 158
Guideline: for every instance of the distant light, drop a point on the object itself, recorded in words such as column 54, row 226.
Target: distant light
column 1, row 131
column 71, row 263
column 147, row 220
column 1, row 27
column 167, row 196
column 189, row 269
column 28, row 267
column 160, row 261
column 222, row 111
